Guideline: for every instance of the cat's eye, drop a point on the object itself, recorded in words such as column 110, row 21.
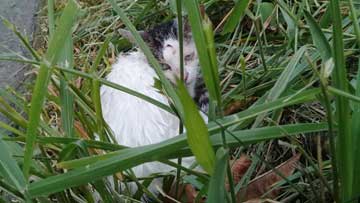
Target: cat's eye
column 189, row 57
column 166, row 66
column 168, row 45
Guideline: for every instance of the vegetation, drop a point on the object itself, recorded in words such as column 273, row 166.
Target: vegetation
column 283, row 81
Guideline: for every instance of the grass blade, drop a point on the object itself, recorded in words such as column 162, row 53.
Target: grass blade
column 207, row 68
column 344, row 138
column 24, row 40
column 356, row 132
column 97, row 167
column 118, row 87
column 318, row 37
column 9, row 168
column 235, row 16
column 95, row 93
column 251, row 136
column 150, row 57
column 285, row 78
column 66, row 21
column 197, row 133
column 130, row 157
column 355, row 20
column 66, row 99
column 217, row 191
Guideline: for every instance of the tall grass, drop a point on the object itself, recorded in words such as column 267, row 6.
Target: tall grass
column 278, row 74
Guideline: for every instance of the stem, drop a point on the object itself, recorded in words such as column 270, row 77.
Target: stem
column 181, row 57
column 340, row 81
column 324, row 90
column 180, row 37
column 51, row 17
column 257, row 29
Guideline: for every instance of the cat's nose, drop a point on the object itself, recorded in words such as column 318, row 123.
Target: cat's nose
column 186, row 76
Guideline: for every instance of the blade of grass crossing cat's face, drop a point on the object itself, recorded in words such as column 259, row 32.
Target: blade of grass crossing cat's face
column 207, row 69
column 170, row 91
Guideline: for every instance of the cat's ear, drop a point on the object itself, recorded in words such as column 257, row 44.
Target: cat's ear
column 187, row 28
column 127, row 35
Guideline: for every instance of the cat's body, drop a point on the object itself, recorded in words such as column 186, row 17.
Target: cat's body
column 136, row 122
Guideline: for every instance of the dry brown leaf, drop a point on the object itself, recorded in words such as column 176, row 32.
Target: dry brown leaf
column 261, row 184
column 239, row 167
column 78, row 82
column 53, row 91
column 238, row 105
column 191, row 194
column 256, row 188
column 78, row 126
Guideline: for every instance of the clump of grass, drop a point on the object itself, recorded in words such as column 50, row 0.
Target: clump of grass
column 278, row 68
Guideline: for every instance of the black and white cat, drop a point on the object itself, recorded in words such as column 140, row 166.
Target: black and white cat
column 136, row 122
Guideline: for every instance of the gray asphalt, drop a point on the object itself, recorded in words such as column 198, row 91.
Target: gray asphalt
column 22, row 13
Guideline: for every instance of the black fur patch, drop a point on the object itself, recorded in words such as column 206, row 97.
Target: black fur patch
column 201, row 95
column 156, row 36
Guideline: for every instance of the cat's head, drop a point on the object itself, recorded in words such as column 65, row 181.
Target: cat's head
column 163, row 41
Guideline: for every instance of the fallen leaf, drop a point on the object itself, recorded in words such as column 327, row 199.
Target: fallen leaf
column 239, row 167
column 238, row 105
column 80, row 129
column 257, row 187
column 261, row 184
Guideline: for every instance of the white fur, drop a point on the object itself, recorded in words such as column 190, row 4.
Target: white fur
column 136, row 122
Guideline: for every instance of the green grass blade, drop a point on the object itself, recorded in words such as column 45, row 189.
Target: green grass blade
column 235, row 16
column 7, row 127
column 344, row 138
column 201, row 43
column 118, row 87
column 197, row 133
column 318, row 37
column 217, row 191
column 251, row 136
column 130, row 157
column 284, row 7
column 95, row 92
column 341, row 93
column 96, row 167
column 209, row 35
column 51, row 17
column 285, row 78
column 356, row 132
column 66, row 98
column 66, row 21
column 354, row 18
column 9, row 168
column 34, row 115
column 23, row 39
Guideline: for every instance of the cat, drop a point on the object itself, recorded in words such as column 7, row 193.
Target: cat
column 136, row 122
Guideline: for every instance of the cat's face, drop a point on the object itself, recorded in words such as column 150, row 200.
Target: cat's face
column 171, row 61
column 163, row 41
